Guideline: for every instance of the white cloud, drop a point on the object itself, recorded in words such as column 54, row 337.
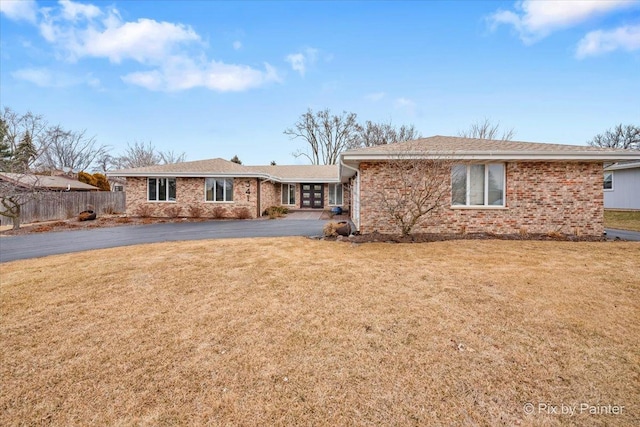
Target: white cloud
column 72, row 11
column 144, row 40
column 45, row 77
column 19, row 10
column 534, row 20
column 38, row 76
column 182, row 73
column 406, row 104
column 376, row 96
column 237, row 45
column 599, row 42
column 172, row 52
column 300, row 61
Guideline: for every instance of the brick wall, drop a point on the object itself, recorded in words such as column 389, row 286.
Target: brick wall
column 269, row 195
column 541, row 197
column 191, row 192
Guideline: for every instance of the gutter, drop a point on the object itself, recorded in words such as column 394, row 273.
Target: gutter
column 265, row 176
column 356, row 170
column 550, row 156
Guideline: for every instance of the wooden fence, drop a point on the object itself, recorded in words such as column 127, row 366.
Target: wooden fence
column 63, row 205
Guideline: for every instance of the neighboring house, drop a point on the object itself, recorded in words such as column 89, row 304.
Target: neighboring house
column 622, row 186
column 45, row 182
column 506, row 187
column 117, row 183
column 205, row 186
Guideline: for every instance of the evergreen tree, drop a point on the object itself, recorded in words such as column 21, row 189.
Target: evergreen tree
column 5, row 148
column 24, row 154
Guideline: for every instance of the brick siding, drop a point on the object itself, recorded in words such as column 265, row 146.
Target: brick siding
column 541, row 197
column 191, row 192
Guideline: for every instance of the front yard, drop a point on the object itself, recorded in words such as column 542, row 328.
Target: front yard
column 292, row 331
column 622, row 220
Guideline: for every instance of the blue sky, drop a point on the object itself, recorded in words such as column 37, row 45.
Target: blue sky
column 215, row 79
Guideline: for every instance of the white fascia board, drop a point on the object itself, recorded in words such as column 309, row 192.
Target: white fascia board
column 187, row 175
column 549, row 156
column 264, row 176
column 309, row 181
column 622, row 166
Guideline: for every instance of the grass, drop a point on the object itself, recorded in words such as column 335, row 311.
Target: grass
column 292, row 331
column 622, row 220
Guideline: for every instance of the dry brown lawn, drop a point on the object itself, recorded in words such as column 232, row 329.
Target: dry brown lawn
column 622, row 220
column 293, row 331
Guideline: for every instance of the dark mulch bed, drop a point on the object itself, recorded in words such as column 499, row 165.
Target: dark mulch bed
column 440, row 237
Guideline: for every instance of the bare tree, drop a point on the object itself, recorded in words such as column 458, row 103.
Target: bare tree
column 105, row 162
column 626, row 137
column 372, row 134
column 15, row 126
column 139, row 154
column 169, row 157
column 69, row 149
column 420, row 186
column 488, row 130
column 18, row 185
column 326, row 135
column 16, row 190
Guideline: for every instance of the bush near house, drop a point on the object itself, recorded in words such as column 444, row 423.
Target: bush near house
column 275, row 212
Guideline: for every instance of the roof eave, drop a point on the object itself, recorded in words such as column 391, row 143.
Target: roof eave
column 504, row 156
column 220, row 175
column 614, row 167
column 185, row 174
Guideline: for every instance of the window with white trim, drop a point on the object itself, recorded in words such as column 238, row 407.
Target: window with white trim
column 288, row 194
column 335, row 194
column 477, row 185
column 161, row 189
column 219, row 189
column 608, row 181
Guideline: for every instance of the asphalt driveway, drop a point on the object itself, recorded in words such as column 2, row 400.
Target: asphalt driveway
column 39, row 245
column 623, row 234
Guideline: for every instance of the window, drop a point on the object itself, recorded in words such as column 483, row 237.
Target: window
column 161, row 189
column 477, row 185
column 608, row 180
column 219, row 189
column 288, row 194
column 335, row 194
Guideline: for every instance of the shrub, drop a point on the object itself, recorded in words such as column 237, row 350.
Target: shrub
column 109, row 210
column 173, row 211
column 87, row 178
column 330, row 229
column 242, row 213
column 275, row 212
column 101, row 182
column 218, row 212
column 195, row 211
column 333, row 229
column 144, row 211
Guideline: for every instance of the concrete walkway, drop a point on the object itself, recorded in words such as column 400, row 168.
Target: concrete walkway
column 39, row 245
column 298, row 215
